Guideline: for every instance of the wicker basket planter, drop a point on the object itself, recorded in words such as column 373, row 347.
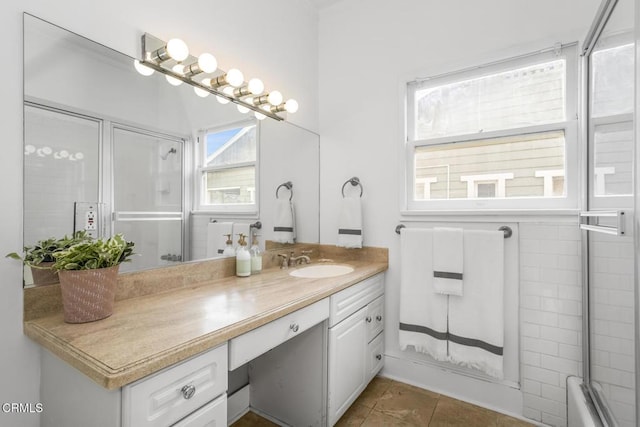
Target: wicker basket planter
column 43, row 274
column 88, row 295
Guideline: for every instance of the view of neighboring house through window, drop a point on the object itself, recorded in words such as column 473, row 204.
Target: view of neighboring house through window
column 500, row 133
column 228, row 168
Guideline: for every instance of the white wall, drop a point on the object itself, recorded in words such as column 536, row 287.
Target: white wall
column 368, row 49
column 275, row 40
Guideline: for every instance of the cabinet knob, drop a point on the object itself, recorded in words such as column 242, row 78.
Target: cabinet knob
column 379, row 356
column 294, row 327
column 368, row 319
column 379, row 318
column 188, row 391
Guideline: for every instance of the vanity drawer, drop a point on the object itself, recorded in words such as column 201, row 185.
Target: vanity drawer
column 258, row 341
column 172, row 394
column 375, row 356
column 352, row 299
column 213, row 414
column 375, row 319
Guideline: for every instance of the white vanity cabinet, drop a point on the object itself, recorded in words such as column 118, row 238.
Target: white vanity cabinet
column 192, row 393
column 356, row 343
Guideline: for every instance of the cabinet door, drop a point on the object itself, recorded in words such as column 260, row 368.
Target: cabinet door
column 347, row 363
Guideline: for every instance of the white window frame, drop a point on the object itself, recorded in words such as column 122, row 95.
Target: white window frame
column 570, row 127
column 237, row 209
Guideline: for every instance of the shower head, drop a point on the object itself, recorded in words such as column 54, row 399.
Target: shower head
column 173, row 150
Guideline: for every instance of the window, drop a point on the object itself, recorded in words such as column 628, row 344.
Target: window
column 227, row 168
column 496, row 136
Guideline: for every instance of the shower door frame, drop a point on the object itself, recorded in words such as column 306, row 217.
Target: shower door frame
column 110, row 127
column 597, row 404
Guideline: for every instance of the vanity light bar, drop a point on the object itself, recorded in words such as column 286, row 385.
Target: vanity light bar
column 157, row 56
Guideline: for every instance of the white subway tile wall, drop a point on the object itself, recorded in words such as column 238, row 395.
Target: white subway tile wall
column 550, row 317
column 613, row 364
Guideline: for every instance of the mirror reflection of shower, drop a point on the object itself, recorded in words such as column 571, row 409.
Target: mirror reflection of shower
column 166, row 155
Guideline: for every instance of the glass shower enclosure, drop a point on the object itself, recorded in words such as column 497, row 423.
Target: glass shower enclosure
column 609, row 291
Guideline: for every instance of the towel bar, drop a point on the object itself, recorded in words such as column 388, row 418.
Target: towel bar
column 353, row 181
column 288, row 185
column 508, row 232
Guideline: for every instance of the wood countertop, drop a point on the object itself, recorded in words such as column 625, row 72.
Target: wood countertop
column 148, row 333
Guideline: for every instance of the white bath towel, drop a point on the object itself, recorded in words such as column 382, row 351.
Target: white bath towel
column 216, row 239
column 284, row 224
column 350, row 223
column 448, row 261
column 476, row 321
column 423, row 313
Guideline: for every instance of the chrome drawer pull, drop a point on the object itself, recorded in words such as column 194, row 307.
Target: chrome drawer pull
column 379, row 356
column 294, row 327
column 368, row 319
column 188, row 391
column 379, row 318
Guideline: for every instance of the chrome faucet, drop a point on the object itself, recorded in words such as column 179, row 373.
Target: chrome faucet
column 295, row 260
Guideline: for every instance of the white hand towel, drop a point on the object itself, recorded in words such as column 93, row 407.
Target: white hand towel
column 350, row 223
column 216, row 239
column 448, row 261
column 284, row 222
column 423, row 313
column 476, row 321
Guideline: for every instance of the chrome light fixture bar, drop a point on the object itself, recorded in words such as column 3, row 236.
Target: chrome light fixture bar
column 174, row 61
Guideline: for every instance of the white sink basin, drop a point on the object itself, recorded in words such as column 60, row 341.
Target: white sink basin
column 321, row 270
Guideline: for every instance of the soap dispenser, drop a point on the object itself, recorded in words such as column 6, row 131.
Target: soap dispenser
column 229, row 250
column 243, row 258
column 256, row 255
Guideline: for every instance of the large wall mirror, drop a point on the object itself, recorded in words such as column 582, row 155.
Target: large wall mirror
column 110, row 150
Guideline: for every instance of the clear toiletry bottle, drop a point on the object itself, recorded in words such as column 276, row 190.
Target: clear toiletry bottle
column 243, row 258
column 229, row 250
column 256, row 255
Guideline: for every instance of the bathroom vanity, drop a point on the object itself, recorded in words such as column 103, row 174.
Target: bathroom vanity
column 310, row 346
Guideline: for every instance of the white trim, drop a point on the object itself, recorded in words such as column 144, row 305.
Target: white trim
column 426, row 192
column 547, row 176
column 499, row 179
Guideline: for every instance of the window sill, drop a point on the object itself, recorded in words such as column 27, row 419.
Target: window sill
column 491, row 215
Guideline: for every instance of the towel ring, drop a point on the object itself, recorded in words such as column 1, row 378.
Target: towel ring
column 289, row 186
column 353, row 181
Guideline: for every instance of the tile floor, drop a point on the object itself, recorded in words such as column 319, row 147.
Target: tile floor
column 391, row 403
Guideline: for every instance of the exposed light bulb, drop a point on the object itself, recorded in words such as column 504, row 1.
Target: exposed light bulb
column 207, row 63
column 143, row 69
column 255, row 86
column 291, row 106
column 227, row 91
column 79, row 156
column 173, row 81
column 275, row 98
column 178, row 69
column 243, row 109
column 234, row 77
column 177, row 49
column 259, row 116
column 200, row 92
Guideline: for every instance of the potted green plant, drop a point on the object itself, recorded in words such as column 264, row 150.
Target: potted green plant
column 88, row 273
column 39, row 257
